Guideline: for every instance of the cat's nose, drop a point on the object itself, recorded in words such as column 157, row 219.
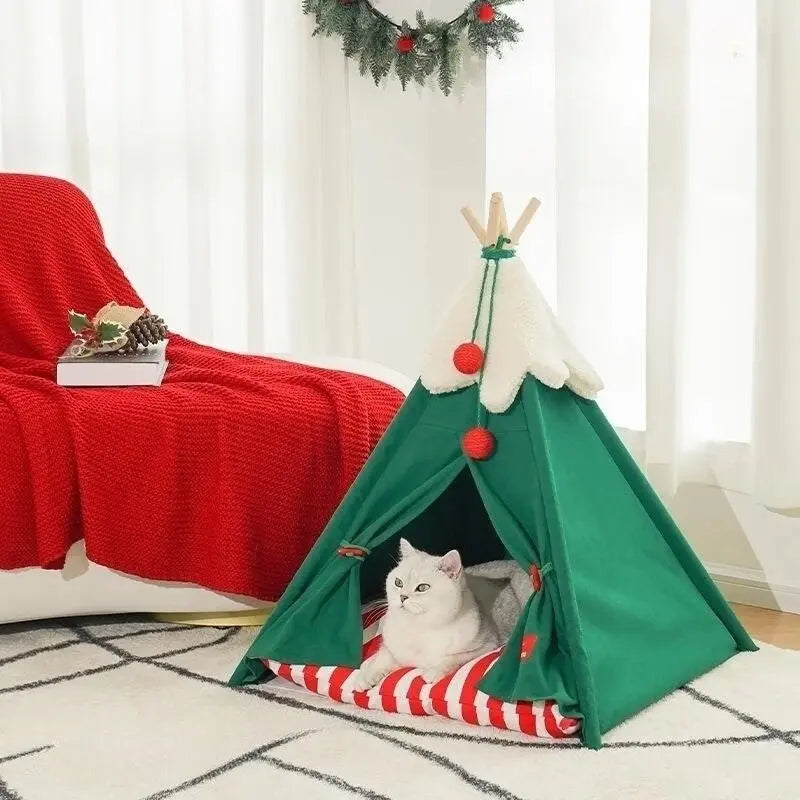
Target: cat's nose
column 403, row 598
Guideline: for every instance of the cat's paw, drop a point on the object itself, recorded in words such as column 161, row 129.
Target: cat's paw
column 431, row 675
column 366, row 678
column 362, row 681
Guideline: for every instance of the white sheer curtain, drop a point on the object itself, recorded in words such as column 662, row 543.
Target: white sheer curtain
column 210, row 142
column 664, row 140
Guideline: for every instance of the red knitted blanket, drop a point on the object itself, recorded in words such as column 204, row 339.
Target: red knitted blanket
column 224, row 476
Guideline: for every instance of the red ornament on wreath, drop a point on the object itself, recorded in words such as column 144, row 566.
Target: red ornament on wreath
column 478, row 443
column 404, row 44
column 485, row 13
column 468, row 358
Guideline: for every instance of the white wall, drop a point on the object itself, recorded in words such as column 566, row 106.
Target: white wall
column 753, row 553
column 418, row 158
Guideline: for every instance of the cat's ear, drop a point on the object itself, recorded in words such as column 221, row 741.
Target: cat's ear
column 451, row 564
column 406, row 548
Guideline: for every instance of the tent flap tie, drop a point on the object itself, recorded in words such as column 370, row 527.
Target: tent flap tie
column 352, row 551
column 537, row 573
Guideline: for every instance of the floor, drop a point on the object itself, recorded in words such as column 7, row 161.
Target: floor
column 764, row 624
column 91, row 692
column 774, row 627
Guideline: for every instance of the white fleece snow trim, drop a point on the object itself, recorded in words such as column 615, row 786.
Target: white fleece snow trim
column 526, row 338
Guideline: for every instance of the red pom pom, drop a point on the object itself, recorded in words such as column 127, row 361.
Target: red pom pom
column 468, row 358
column 485, row 13
column 404, row 44
column 478, row 443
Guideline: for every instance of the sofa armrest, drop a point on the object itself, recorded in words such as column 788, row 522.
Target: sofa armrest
column 369, row 369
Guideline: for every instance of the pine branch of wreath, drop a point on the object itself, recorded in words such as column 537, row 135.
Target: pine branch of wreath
column 413, row 53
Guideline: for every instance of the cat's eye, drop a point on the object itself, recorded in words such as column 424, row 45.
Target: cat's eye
column 398, row 583
column 423, row 587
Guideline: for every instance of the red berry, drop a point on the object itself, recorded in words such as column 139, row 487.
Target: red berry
column 468, row 358
column 404, row 44
column 485, row 13
column 478, row 443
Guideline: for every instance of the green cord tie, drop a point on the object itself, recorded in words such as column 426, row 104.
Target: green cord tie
column 490, row 254
column 497, row 251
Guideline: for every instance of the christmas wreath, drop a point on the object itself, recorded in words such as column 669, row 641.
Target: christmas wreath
column 414, row 52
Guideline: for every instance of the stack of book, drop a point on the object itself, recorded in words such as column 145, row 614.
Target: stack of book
column 142, row 368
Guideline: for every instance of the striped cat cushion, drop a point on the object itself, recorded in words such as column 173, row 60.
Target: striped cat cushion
column 455, row 696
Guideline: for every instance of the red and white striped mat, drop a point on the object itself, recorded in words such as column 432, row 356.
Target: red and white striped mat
column 455, row 696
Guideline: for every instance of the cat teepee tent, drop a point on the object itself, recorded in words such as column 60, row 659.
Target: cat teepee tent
column 500, row 451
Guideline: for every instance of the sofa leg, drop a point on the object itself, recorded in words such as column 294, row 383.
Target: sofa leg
column 230, row 619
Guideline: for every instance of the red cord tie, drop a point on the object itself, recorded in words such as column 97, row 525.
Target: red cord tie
column 537, row 573
column 352, row 551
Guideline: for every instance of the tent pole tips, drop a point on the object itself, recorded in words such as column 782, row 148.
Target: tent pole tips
column 524, row 220
column 472, row 221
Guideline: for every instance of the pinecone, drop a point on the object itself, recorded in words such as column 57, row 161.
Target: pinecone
column 148, row 329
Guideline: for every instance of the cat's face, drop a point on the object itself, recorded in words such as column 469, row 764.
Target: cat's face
column 425, row 585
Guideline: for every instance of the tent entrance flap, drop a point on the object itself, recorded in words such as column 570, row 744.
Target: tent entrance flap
column 456, row 519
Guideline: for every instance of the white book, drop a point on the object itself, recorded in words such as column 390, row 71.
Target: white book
column 143, row 368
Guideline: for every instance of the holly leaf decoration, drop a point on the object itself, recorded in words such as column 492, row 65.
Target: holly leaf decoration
column 78, row 349
column 78, row 322
column 110, row 333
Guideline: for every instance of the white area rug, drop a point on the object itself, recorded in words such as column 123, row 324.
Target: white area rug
column 91, row 710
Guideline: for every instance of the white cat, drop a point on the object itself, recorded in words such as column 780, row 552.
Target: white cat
column 433, row 621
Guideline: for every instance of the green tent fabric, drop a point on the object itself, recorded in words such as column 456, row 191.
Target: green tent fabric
column 625, row 613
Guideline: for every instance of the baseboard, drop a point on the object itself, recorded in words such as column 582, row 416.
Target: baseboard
column 750, row 587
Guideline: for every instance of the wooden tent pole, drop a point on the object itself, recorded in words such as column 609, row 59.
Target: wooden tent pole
column 524, row 220
column 503, row 219
column 472, row 221
column 493, row 225
column 498, row 221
